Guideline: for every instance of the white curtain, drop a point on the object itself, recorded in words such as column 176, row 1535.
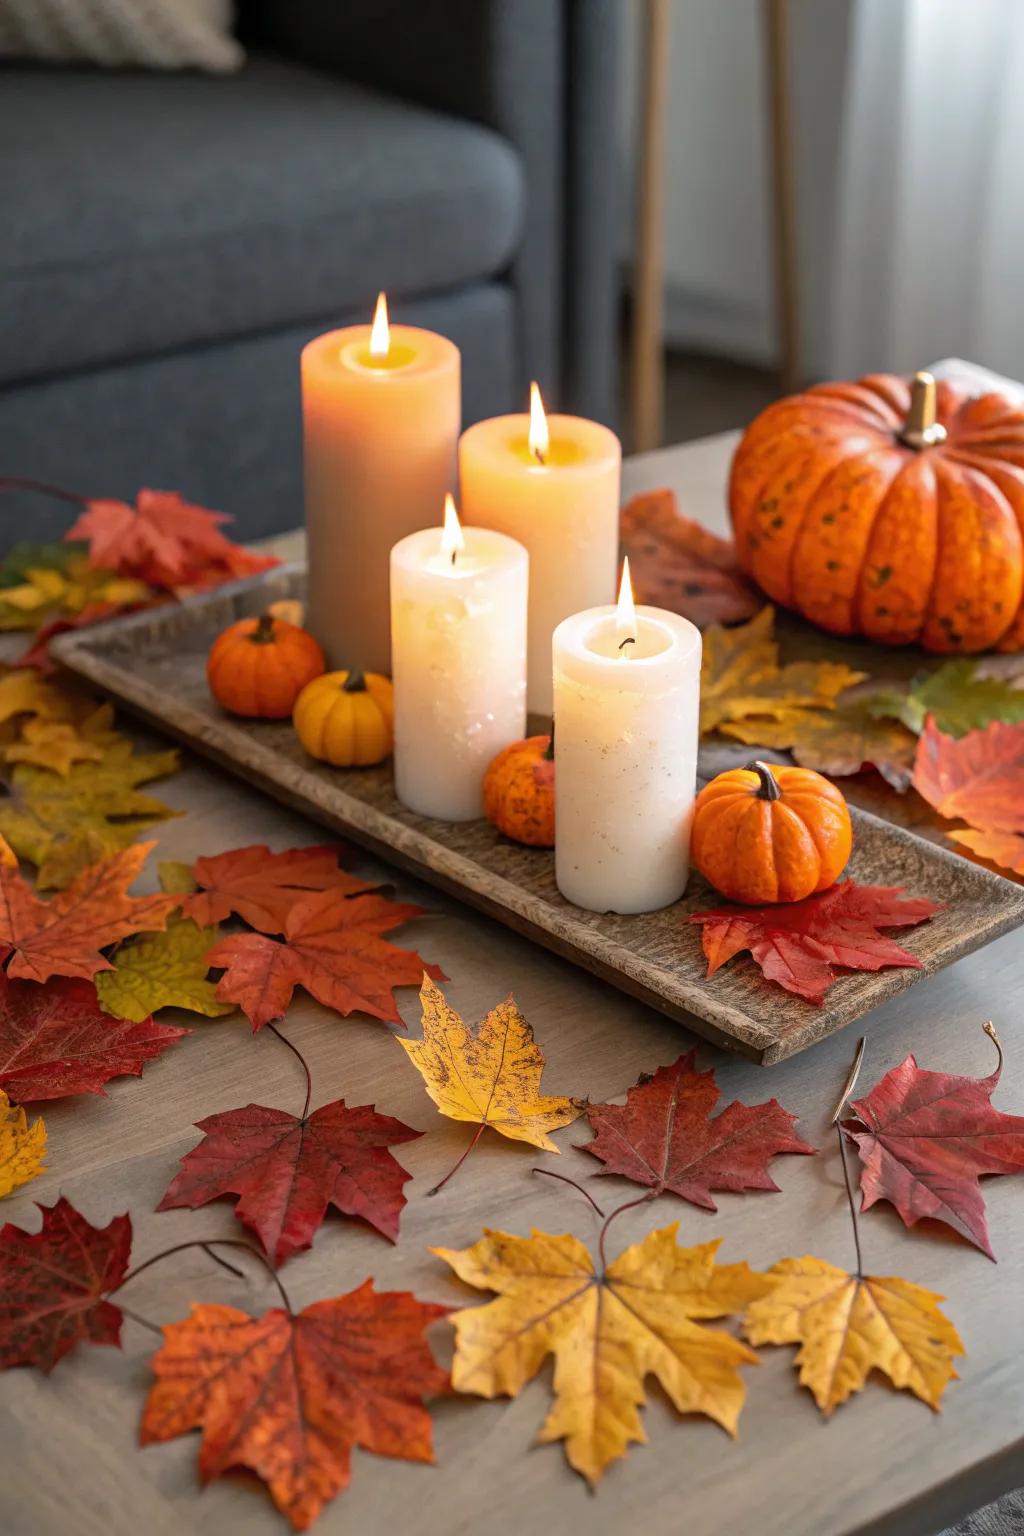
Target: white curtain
column 930, row 238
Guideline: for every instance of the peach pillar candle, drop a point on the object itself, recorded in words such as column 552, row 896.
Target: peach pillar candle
column 627, row 696
column 553, row 484
column 381, row 409
column 458, row 642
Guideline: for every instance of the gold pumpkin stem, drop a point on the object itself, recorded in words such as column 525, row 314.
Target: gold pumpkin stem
column 355, row 682
column 921, row 429
column 768, row 789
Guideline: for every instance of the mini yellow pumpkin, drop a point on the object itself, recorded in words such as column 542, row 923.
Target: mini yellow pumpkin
column 346, row 718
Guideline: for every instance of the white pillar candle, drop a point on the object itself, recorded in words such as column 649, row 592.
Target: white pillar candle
column 458, row 655
column 627, row 695
column 553, row 484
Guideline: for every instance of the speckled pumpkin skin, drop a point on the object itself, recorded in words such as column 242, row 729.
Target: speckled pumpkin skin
column 258, row 667
column 761, row 851
column 519, row 792
column 836, row 518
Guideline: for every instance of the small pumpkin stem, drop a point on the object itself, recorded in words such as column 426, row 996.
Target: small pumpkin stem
column 549, row 755
column 768, row 789
column 263, row 634
column 921, row 429
column 355, row 682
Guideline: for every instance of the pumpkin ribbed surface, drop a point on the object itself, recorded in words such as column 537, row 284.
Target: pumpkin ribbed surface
column 258, row 667
column 519, row 792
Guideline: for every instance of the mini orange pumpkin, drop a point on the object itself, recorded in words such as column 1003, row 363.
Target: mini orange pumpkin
column 765, row 834
column 519, row 792
column 258, row 667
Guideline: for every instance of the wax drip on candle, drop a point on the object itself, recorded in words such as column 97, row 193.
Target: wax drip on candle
column 538, row 438
column 625, row 612
column 452, row 540
column 380, row 331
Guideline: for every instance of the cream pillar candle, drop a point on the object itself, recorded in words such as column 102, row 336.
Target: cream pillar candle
column 553, row 484
column 381, row 410
column 627, row 695
column 458, row 645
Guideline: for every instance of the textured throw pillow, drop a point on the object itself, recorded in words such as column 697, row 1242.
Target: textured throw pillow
column 140, row 34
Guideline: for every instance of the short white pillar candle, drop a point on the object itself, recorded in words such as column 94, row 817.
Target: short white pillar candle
column 627, row 698
column 458, row 657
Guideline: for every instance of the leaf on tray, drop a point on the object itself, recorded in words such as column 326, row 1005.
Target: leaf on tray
column 960, row 697
column 847, row 1327
column 289, row 1396
column 679, row 565
column 64, row 936
column 334, row 947
column 978, row 779
column 54, row 1284
column 22, row 1153
column 162, row 970
column 24, row 692
column 664, row 1136
column 741, row 676
column 805, row 945
column 261, row 887
column 925, row 1139
column 56, row 1041
column 488, row 1074
column 288, row 1171
column 607, row 1333
column 837, row 741
column 54, row 588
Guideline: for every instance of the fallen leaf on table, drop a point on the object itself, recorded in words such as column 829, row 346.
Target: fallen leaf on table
column 741, row 676
column 54, row 1284
column 64, row 824
column 261, row 887
column 607, row 1333
column 488, row 1074
column 958, row 695
column 53, row 744
column 664, row 1136
column 24, row 692
column 289, row 1396
column 56, row 1041
column 679, row 565
column 162, row 970
column 288, row 1171
column 334, row 947
column 837, row 741
column 22, row 1152
column 978, row 779
column 846, row 1327
column 64, row 936
column 804, row 945
column 49, row 591
column 925, row 1139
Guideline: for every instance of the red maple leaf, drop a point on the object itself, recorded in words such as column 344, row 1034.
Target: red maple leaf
column 56, row 1040
column 977, row 778
column 261, row 886
column 679, row 565
column 803, row 945
column 664, row 1137
column 63, row 937
column 288, row 1171
column 333, row 947
column 289, row 1395
column 54, row 1284
column 925, row 1139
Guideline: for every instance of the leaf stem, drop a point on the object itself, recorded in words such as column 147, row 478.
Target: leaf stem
column 231, row 1268
column 137, row 1317
column 206, row 1244
column 305, row 1065
column 476, row 1137
column 549, row 1173
column 641, row 1200
column 23, row 483
column 990, row 1030
column 851, row 1080
column 850, row 1201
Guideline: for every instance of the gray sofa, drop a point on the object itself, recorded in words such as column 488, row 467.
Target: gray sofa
column 170, row 242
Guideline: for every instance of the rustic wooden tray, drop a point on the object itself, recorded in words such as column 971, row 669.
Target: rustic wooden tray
column 155, row 663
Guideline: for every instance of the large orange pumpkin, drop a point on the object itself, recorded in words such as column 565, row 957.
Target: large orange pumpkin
column 888, row 508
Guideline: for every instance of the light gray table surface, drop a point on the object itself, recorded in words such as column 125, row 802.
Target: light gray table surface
column 885, row 1465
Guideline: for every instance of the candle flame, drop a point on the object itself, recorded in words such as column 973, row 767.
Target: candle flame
column 452, row 541
column 539, row 438
column 625, row 612
column 380, row 331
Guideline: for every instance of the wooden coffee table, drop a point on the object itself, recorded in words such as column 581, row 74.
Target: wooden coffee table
column 885, row 1464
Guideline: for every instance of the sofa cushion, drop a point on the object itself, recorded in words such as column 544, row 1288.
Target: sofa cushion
column 144, row 214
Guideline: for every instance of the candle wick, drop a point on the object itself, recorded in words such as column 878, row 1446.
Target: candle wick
column 630, row 640
column 454, row 553
column 538, row 456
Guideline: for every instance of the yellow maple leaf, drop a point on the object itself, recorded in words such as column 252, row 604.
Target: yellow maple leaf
column 488, row 1075
column 24, row 691
column 607, row 1333
column 22, row 1147
column 741, row 676
column 54, row 744
column 847, row 1326
column 48, row 593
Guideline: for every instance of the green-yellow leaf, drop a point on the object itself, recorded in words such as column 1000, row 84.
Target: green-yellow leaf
column 162, row 970
column 742, row 677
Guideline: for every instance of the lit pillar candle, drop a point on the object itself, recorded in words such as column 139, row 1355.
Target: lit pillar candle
column 458, row 645
column 381, row 409
column 627, row 694
column 553, row 484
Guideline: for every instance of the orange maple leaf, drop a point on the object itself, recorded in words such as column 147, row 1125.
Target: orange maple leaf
column 261, row 886
column 64, row 937
column 290, row 1395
